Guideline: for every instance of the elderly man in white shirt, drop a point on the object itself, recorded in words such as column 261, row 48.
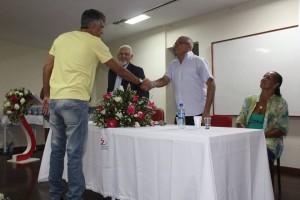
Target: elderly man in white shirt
column 192, row 80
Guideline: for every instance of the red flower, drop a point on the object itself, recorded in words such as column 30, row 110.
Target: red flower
column 99, row 108
column 107, row 96
column 135, row 98
column 131, row 110
column 13, row 99
column 111, row 123
column 140, row 115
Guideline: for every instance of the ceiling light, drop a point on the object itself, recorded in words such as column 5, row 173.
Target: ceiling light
column 137, row 19
column 262, row 50
column 142, row 15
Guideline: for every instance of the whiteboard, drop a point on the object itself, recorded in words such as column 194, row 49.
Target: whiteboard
column 239, row 65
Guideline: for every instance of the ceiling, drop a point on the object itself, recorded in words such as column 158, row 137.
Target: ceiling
column 36, row 23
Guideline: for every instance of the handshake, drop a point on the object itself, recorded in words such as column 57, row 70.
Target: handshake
column 147, row 84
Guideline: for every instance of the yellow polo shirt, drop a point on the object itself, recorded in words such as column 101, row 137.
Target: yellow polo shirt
column 77, row 55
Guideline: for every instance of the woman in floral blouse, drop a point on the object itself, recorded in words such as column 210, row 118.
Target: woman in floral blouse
column 267, row 111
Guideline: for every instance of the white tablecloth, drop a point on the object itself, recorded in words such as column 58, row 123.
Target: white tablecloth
column 167, row 163
column 31, row 119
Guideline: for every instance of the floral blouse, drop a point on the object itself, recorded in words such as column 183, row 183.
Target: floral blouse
column 276, row 117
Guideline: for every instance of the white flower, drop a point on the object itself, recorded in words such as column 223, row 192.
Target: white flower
column 136, row 125
column 26, row 92
column 6, row 104
column 119, row 115
column 103, row 112
column 16, row 107
column 22, row 101
column 118, row 99
column 8, row 112
column 121, row 88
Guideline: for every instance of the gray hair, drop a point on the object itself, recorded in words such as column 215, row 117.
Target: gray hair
column 126, row 46
column 91, row 16
column 188, row 40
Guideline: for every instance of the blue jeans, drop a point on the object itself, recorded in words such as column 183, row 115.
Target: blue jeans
column 69, row 125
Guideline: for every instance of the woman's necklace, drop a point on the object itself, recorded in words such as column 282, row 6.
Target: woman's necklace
column 262, row 104
column 261, row 110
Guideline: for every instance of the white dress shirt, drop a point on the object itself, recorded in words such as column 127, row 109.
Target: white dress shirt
column 119, row 79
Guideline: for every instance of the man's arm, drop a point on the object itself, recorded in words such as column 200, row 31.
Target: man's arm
column 47, row 71
column 211, row 88
column 122, row 72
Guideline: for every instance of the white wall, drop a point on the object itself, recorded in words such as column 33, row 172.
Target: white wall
column 21, row 66
column 150, row 52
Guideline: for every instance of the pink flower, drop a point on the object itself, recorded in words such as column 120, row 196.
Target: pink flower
column 135, row 98
column 131, row 110
column 107, row 96
column 140, row 115
column 111, row 123
column 151, row 105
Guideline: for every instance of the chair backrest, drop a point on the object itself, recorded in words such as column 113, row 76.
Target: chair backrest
column 158, row 115
column 221, row 120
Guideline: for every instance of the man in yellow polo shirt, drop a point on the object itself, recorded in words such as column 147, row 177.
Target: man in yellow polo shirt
column 68, row 79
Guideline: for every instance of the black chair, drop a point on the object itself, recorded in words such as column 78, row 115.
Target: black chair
column 272, row 169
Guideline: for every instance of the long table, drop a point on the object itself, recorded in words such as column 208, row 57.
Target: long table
column 167, row 163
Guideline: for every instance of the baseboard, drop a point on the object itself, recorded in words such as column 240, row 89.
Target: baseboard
column 289, row 170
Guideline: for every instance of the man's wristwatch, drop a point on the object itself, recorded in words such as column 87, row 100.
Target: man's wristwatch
column 140, row 82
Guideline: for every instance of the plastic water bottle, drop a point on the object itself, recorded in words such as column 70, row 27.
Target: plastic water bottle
column 181, row 116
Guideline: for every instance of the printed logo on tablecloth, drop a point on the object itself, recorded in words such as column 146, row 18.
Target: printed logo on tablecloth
column 103, row 143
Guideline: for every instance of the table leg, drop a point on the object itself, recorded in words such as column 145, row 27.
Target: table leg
column 34, row 132
column 4, row 139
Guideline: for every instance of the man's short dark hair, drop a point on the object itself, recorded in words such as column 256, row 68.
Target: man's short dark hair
column 89, row 16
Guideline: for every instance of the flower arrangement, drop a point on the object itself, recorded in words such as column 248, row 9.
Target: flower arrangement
column 17, row 102
column 123, row 109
